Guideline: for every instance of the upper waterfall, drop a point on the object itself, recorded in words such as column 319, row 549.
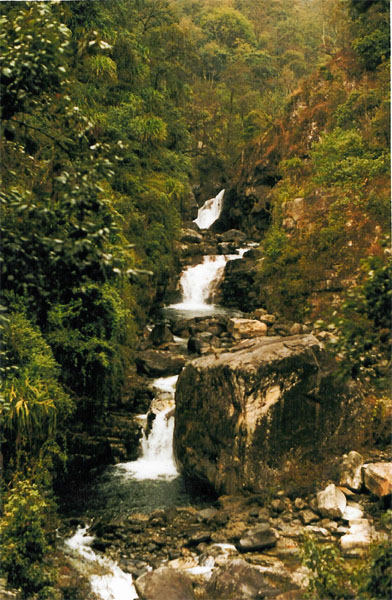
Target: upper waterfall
column 210, row 211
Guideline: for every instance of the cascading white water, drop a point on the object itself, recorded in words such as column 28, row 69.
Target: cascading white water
column 157, row 458
column 199, row 281
column 210, row 211
column 106, row 578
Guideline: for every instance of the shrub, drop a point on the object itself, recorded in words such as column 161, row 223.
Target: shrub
column 25, row 557
column 33, row 401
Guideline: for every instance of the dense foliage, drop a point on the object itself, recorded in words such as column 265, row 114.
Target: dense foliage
column 115, row 115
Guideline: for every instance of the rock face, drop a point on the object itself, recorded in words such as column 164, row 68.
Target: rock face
column 250, row 406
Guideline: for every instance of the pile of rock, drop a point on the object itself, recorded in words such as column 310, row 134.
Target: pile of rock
column 245, row 546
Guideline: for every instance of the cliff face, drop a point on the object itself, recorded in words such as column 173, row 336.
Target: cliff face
column 250, row 407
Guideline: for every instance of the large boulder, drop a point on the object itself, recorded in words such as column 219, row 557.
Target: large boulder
column 164, row 583
column 251, row 406
column 378, row 478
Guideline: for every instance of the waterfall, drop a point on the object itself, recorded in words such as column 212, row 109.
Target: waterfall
column 157, row 458
column 210, row 211
column 198, row 282
column 106, row 578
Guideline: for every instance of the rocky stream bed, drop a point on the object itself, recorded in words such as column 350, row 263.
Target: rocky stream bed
column 215, row 535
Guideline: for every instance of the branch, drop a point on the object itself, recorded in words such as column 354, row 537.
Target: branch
column 43, row 133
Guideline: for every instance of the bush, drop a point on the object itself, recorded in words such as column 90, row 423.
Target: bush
column 329, row 578
column 87, row 336
column 25, row 557
column 364, row 322
column 33, row 402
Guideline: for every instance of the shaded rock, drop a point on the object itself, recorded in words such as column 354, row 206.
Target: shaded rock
column 207, row 513
column 233, row 235
column 331, row 502
column 200, row 343
column 262, row 536
column 164, row 583
column 308, row 516
column 238, row 579
column 350, row 471
column 246, row 328
column 158, row 363
column 238, row 284
column 161, row 334
column 378, row 478
column 190, row 236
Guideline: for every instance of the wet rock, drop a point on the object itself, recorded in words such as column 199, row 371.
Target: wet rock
column 190, row 236
column 262, row 536
column 158, row 363
column 166, row 583
column 351, row 471
column 331, row 502
column 238, row 579
column 378, row 478
column 246, row 328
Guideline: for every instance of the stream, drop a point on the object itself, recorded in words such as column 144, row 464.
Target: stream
column 153, row 481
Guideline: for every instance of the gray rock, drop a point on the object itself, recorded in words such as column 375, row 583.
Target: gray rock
column 239, row 580
column 158, row 363
column 331, row 502
column 164, row 583
column 262, row 536
column 207, row 513
column 233, row 235
column 350, row 471
column 308, row 516
column 352, row 511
